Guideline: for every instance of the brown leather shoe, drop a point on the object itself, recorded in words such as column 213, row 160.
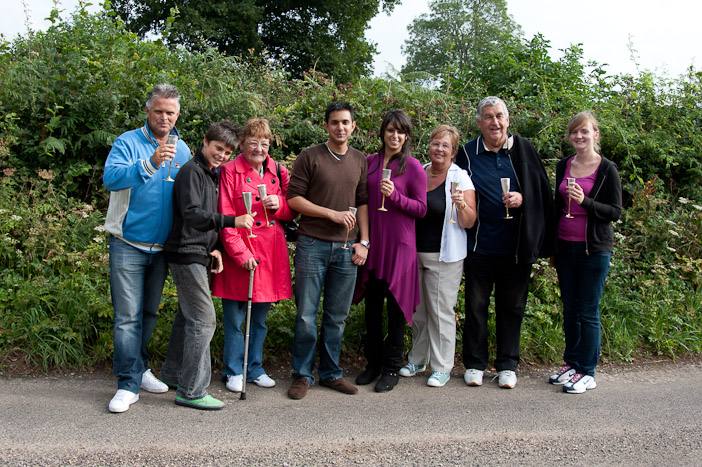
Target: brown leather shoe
column 298, row 388
column 340, row 385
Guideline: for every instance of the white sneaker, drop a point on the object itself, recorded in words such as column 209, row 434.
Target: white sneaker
column 122, row 400
column 152, row 384
column 473, row 377
column 507, row 379
column 563, row 376
column 579, row 384
column 235, row 383
column 265, row 381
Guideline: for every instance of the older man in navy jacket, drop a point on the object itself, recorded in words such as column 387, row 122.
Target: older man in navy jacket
column 512, row 230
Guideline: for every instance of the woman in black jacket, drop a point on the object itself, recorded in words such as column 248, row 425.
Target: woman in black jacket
column 588, row 200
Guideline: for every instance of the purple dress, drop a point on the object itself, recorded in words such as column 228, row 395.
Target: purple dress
column 393, row 252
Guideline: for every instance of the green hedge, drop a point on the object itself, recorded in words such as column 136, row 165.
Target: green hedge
column 66, row 93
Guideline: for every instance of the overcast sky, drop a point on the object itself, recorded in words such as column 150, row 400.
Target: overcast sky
column 664, row 33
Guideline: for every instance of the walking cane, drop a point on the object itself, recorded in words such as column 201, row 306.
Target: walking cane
column 248, row 328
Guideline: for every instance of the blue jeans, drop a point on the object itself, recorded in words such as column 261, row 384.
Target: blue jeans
column 321, row 264
column 233, row 314
column 188, row 361
column 136, row 286
column 581, row 278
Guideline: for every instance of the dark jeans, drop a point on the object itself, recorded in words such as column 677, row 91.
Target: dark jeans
column 511, row 284
column 581, row 278
column 380, row 350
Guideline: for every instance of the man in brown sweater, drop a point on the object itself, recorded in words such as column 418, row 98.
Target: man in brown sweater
column 326, row 181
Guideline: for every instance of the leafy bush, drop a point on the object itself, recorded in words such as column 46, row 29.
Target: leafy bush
column 66, row 93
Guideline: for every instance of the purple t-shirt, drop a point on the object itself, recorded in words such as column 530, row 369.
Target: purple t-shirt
column 574, row 229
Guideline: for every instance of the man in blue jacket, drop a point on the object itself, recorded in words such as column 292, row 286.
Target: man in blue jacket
column 139, row 219
column 513, row 229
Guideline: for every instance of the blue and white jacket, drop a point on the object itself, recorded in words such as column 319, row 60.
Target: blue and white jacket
column 141, row 202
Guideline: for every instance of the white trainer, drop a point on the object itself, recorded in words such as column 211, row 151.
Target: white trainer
column 264, row 381
column 235, row 383
column 122, row 400
column 473, row 377
column 563, row 376
column 579, row 384
column 507, row 379
column 152, row 384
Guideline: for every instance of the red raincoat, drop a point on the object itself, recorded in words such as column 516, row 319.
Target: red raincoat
column 272, row 280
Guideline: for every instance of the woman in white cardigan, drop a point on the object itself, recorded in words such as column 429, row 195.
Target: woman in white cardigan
column 441, row 249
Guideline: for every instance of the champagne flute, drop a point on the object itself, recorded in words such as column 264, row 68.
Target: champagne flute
column 454, row 187
column 386, row 176
column 262, row 192
column 344, row 246
column 172, row 139
column 247, row 204
column 505, row 190
column 571, row 182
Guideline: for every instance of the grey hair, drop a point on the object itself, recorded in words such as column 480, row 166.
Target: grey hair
column 163, row 91
column 490, row 101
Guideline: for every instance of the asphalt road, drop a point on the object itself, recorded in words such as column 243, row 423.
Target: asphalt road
column 644, row 415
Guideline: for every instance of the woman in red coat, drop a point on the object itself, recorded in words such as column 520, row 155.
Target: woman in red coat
column 267, row 253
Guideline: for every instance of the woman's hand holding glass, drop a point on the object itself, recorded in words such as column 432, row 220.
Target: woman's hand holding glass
column 457, row 199
column 271, row 202
column 387, row 187
column 575, row 192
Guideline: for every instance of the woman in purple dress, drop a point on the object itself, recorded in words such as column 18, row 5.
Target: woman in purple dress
column 391, row 270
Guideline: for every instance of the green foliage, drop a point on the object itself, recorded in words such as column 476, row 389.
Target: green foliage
column 457, row 33
column 53, row 274
column 302, row 35
column 66, row 93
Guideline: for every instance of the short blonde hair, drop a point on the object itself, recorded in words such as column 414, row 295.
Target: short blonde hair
column 442, row 130
column 256, row 127
column 579, row 121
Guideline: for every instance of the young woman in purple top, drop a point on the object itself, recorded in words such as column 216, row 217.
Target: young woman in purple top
column 391, row 269
column 586, row 206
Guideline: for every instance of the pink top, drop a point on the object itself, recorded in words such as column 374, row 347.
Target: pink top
column 575, row 229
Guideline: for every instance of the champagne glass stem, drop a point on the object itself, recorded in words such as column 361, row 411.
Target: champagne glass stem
column 347, row 240
column 453, row 205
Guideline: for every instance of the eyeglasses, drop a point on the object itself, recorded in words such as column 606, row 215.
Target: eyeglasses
column 444, row 146
column 255, row 145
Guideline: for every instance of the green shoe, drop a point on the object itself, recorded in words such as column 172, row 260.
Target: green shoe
column 204, row 403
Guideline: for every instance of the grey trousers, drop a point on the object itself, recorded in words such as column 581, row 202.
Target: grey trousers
column 188, row 358
column 434, row 321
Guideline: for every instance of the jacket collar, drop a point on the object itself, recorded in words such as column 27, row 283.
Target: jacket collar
column 200, row 160
column 241, row 166
column 480, row 144
column 146, row 131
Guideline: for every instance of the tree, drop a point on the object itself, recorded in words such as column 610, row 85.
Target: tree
column 458, row 33
column 299, row 34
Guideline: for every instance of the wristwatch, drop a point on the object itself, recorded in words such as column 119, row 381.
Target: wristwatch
column 365, row 243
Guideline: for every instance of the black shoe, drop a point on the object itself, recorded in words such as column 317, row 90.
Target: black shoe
column 387, row 381
column 368, row 375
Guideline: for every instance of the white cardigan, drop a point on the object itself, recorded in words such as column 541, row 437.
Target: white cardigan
column 454, row 240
